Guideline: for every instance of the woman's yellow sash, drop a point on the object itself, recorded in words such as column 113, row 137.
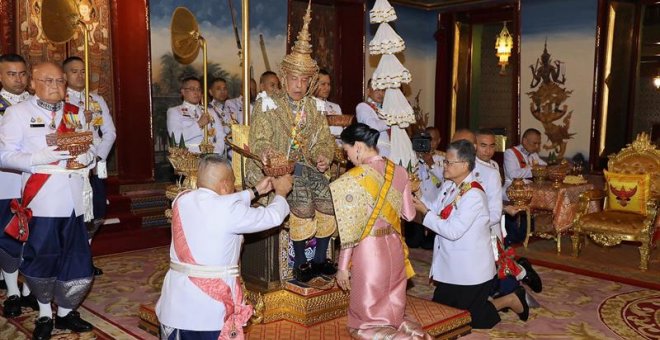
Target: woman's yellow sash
column 373, row 190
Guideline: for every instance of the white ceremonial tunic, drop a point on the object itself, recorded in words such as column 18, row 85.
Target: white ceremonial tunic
column 431, row 177
column 366, row 114
column 489, row 177
column 490, row 180
column 327, row 108
column 182, row 121
column 234, row 107
column 23, row 130
column 10, row 180
column 512, row 169
column 103, row 143
column 213, row 225
column 462, row 252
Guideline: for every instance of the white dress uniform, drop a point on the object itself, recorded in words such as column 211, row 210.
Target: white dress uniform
column 182, row 121
column 462, row 252
column 213, row 225
column 234, row 107
column 431, row 177
column 23, row 130
column 10, row 181
column 105, row 134
column 512, row 168
column 57, row 257
column 489, row 178
column 329, row 108
column 367, row 115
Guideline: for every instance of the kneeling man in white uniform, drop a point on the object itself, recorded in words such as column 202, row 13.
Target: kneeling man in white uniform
column 201, row 296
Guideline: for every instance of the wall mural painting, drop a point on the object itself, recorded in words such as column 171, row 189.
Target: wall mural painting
column 33, row 45
column 549, row 102
column 322, row 31
column 558, row 40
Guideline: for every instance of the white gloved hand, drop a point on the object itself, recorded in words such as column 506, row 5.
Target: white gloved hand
column 48, row 155
column 87, row 157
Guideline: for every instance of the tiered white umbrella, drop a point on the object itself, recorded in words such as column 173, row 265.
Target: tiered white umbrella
column 389, row 75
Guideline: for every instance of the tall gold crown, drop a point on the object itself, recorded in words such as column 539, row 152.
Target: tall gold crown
column 300, row 61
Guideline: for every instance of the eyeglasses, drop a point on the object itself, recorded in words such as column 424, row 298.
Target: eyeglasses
column 50, row 82
column 447, row 163
column 193, row 89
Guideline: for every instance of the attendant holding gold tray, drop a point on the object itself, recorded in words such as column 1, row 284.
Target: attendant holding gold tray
column 55, row 202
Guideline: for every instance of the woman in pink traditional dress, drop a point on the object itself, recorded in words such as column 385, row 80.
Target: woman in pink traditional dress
column 369, row 202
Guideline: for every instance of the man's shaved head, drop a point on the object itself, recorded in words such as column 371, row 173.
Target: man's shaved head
column 215, row 174
column 464, row 134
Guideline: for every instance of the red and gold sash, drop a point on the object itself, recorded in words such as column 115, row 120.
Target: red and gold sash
column 506, row 261
column 18, row 226
column 236, row 313
column 446, row 211
column 521, row 158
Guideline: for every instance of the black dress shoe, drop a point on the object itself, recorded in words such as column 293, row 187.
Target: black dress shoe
column 97, row 271
column 532, row 279
column 73, row 322
column 326, row 267
column 42, row 328
column 520, row 293
column 12, row 307
column 30, row 301
column 304, row 272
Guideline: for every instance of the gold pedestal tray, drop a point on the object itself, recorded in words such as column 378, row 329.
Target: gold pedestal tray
column 440, row 321
column 282, row 304
column 76, row 143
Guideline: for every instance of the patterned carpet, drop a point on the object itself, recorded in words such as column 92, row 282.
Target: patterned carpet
column 573, row 306
column 621, row 264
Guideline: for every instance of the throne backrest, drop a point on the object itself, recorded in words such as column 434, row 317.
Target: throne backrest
column 639, row 157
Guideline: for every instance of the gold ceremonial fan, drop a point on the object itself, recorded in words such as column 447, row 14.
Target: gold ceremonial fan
column 186, row 38
column 186, row 41
column 59, row 20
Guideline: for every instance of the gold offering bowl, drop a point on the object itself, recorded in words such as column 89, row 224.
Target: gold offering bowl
column 276, row 171
column 339, row 120
column 519, row 193
column 539, row 173
column 77, row 143
column 557, row 175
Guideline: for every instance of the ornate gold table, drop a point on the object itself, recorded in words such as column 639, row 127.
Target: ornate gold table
column 554, row 209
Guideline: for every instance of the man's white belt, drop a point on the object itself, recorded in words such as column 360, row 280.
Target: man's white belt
column 87, row 186
column 205, row 272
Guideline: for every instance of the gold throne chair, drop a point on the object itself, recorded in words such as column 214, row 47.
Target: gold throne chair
column 630, row 201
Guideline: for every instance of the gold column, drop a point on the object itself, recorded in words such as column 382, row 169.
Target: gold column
column 245, row 17
column 86, row 49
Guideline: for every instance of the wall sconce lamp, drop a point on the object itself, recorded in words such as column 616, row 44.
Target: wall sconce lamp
column 656, row 80
column 503, row 46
